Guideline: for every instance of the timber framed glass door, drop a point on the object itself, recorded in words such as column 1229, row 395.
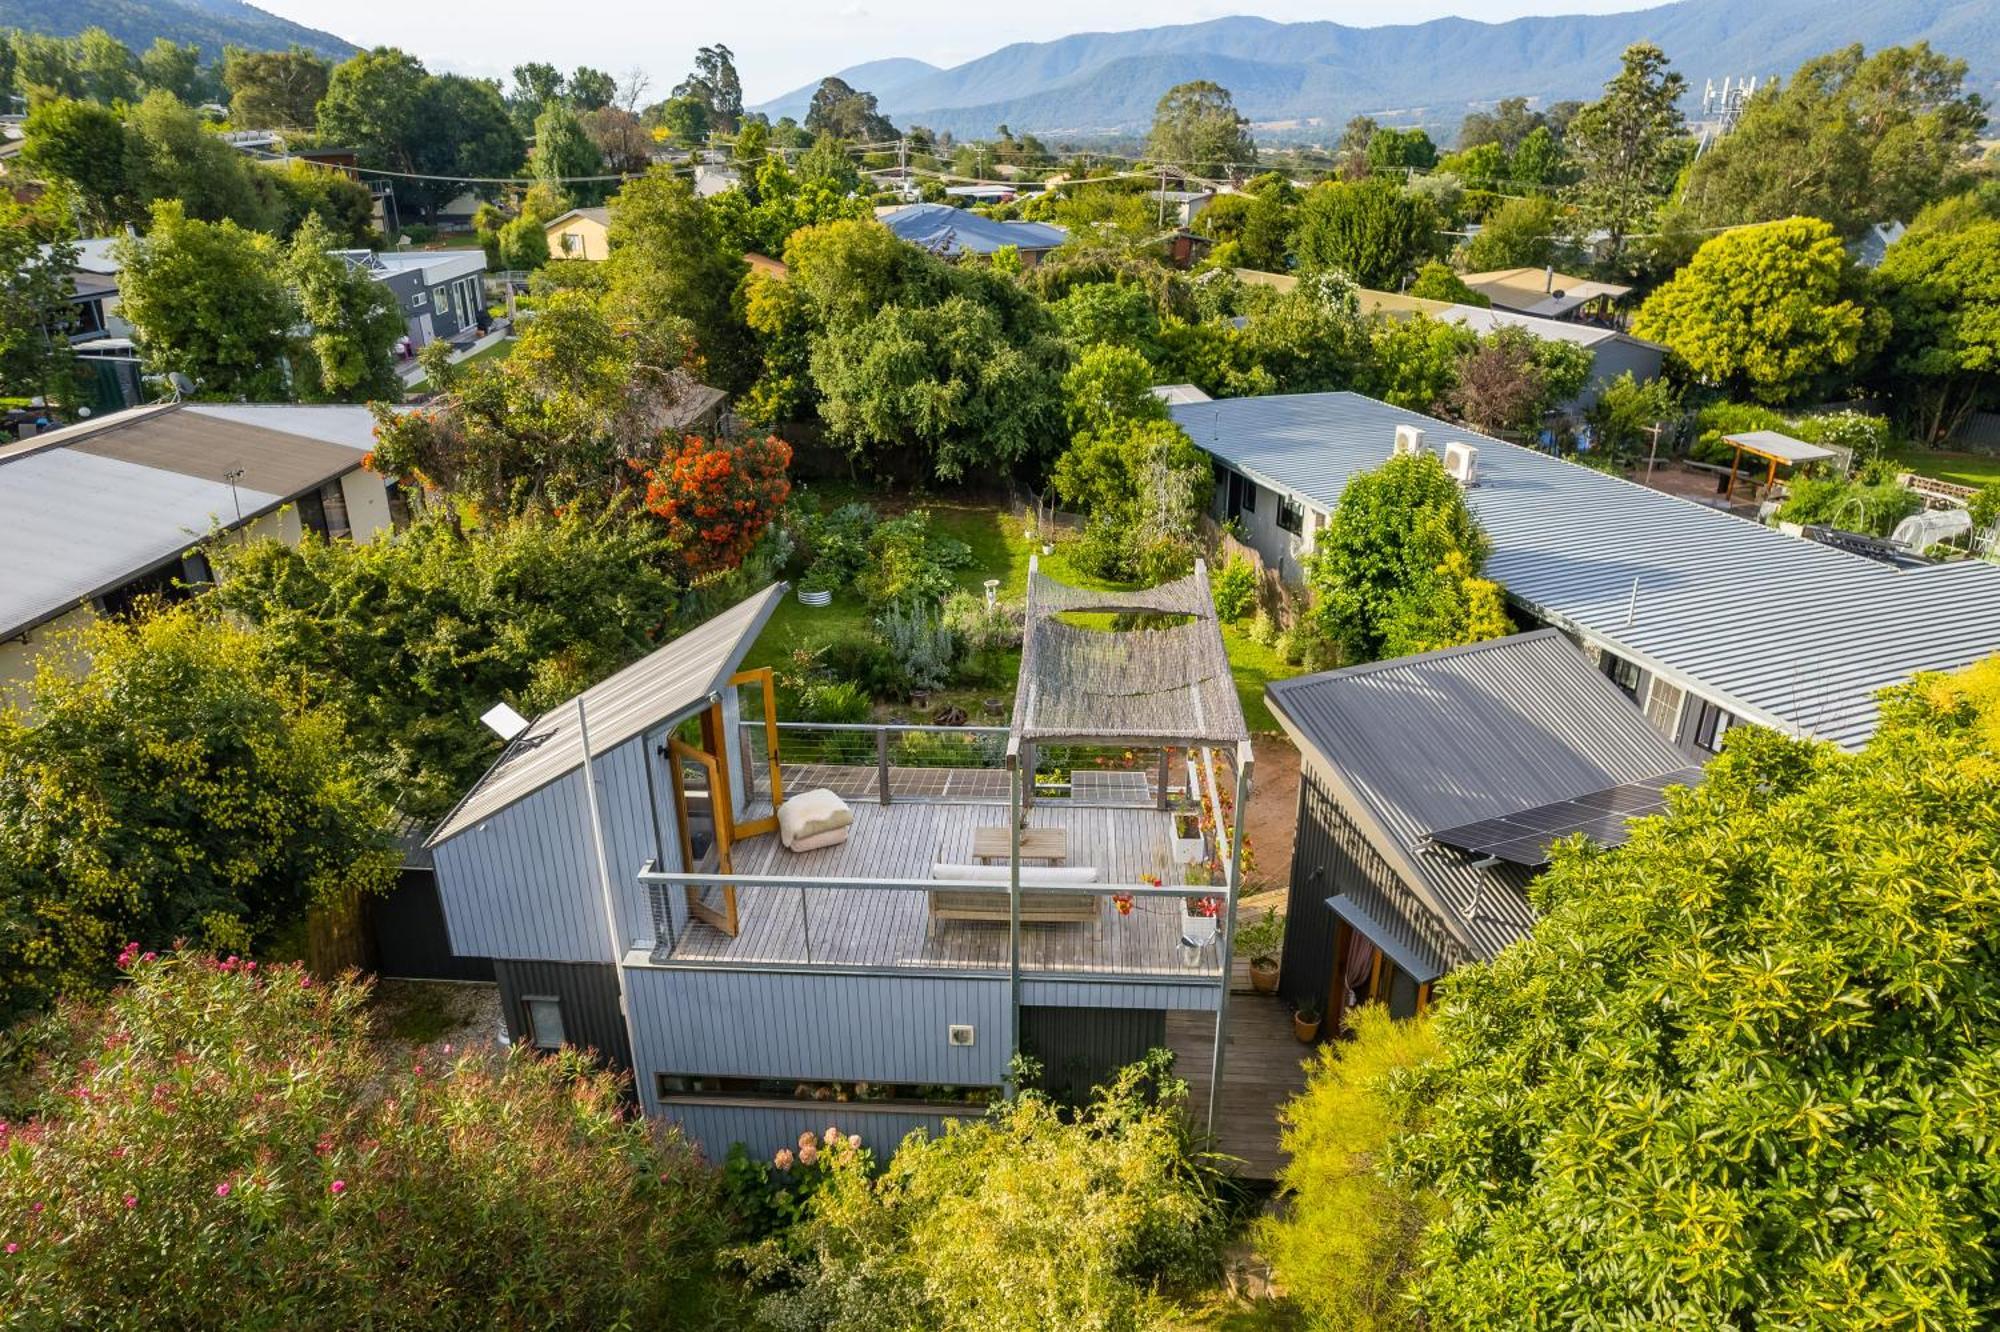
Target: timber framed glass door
column 702, row 811
column 767, row 688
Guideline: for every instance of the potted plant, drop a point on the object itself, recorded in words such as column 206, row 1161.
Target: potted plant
column 1188, row 841
column 816, row 588
column 1260, row 941
column 1199, row 918
column 1305, row 1023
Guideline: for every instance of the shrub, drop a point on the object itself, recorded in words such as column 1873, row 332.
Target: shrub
column 1235, row 589
column 223, row 1146
column 718, row 496
column 1984, row 507
column 863, row 659
column 1264, row 630
column 832, row 545
column 919, row 644
column 1853, row 506
column 831, row 701
column 907, row 562
column 982, row 628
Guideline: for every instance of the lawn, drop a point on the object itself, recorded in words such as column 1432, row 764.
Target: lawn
column 1000, row 549
column 1963, row 469
column 497, row 352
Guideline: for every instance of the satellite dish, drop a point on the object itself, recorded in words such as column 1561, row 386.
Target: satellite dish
column 503, row 721
column 183, row 386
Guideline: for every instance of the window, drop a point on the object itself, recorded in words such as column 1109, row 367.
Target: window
column 441, row 299
column 333, row 502
column 571, row 242
column 1291, row 517
column 790, row 1092
column 1711, row 723
column 1241, row 492
column 545, row 1025
column 312, row 514
column 419, row 297
column 1624, row 674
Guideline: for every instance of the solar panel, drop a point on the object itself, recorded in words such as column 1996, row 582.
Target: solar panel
column 1524, row 836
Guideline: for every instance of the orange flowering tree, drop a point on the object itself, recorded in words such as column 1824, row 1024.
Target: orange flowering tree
column 718, row 496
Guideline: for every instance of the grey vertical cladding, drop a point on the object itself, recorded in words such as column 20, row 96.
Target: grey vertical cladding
column 763, row 1130
column 588, row 992
column 523, row 883
column 632, row 835
column 715, row 1023
column 1115, row 994
column 1080, row 1048
column 1329, row 857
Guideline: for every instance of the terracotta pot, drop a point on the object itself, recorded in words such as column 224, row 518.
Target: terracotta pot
column 1263, row 974
column 1307, row 1032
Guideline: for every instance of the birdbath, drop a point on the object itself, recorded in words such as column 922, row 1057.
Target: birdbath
column 992, row 593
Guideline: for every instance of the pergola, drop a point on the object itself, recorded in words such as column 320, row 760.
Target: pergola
column 1777, row 449
column 1162, row 680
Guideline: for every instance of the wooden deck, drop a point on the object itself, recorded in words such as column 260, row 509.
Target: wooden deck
column 870, row 927
column 1262, row 1067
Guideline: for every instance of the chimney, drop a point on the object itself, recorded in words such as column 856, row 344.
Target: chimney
column 1409, row 439
column 1549, row 281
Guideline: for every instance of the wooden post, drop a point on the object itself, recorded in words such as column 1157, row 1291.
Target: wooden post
column 1336, row 986
column 1735, row 458
column 1423, row 998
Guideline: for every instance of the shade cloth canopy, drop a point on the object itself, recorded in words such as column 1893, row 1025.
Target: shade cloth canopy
column 1169, row 683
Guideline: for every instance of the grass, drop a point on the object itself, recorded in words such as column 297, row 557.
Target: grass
column 1963, row 469
column 497, row 352
column 1000, row 549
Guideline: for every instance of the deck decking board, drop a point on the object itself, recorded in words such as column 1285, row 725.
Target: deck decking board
column 1263, row 1067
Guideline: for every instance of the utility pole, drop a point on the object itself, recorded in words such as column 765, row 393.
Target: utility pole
column 903, row 166
column 1163, row 194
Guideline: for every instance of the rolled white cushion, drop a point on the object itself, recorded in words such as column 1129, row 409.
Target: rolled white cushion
column 811, row 813
column 819, row 841
column 1037, row 877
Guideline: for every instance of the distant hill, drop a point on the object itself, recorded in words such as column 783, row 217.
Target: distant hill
column 1428, row 73
column 209, row 24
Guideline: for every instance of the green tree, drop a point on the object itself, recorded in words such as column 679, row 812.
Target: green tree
column 109, row 72
column 352, row 320
column 1032, row 1217
column 1520, row 233
column 685, row 119
column 1770, row 310
column 465, row 131
column 589, row 89
column 174, row 67
column 1505, row 126
column 35, row 307
column 1311, row 340
column 1436, row 281
column 1370, row 230
column 1397, row 568
column 244, row 1138
column 1109, row 384
column 1512, row 380
column 715, row 85
column 1394, row 152
column 1628, row 146
column 1851, row 138
column 846, row 113
column 81, row 147
column 1760, row 1102
column 1413, row 361
column 46, row 68
column 1108, row 312
column 207, row 300
column 374, row 104
column 1540, row 160
column 412, row 638
column 1196, row 127
column 300, row 189
column 563, row 150
column 1344, row 1247
column 275, row 89
column 200, row 797
column 1626, row 411
column 1942, row 289
column 669, row 268
column 172, row 156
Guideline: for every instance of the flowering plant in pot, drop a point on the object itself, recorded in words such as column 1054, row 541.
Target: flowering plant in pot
column 1260, row 941
column 1199, row 918
column 1305, row 1023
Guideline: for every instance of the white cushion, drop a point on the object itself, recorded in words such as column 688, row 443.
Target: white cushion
column 819, row 841
column 810, row 813
column 1034, row 878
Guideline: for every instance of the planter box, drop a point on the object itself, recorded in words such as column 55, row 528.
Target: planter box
column 821, row 598
column 1189, row 845
column 1198, row 930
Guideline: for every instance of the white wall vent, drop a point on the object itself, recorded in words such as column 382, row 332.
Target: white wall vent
column 959, row 1033
column 1409, row 439
column 1461, row 461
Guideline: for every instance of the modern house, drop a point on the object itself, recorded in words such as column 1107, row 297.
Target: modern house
column 1704, row 619
column 1545, row 292
column 633, row 865
column 581, row 233
column 95, row 515
column 1430, row 790
column 949, row 232
column 442, row 293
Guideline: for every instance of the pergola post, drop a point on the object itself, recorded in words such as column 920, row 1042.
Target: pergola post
column 1013, row 920
column 1234, row 882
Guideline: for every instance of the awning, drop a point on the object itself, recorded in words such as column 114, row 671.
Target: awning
column 1420, row 966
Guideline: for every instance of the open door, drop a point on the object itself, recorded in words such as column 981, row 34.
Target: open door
column 764, row 679
column 701, row 809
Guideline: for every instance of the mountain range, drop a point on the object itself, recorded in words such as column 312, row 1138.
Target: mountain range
column 209, row 24
column 1426, row 73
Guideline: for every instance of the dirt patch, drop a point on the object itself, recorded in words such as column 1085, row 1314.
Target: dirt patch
column 1273, row 820
column 413, row 1015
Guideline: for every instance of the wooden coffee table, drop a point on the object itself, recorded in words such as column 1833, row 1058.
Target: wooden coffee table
column 1050, row 844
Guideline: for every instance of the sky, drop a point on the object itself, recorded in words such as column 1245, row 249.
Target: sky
column 780, row 46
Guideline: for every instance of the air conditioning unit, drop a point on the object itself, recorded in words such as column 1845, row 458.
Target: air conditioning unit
column 1409, row 439
column 1461, row 462
column 959, row 1033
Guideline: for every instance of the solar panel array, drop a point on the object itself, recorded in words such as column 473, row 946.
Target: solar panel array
column 1525, row 836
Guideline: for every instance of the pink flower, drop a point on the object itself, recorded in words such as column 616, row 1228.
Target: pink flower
column 222, row 1190
column 832, row 1135
column 447, row 1047
column 783, row 1160
column 149, row 956
column 126, row 954
column 131, row 1201
column 807, row 1139
column 338, row 1187
column 13, row 1247
column 808, row 1155
column 419, row 1069
column 305, row 982
column 854, row 1141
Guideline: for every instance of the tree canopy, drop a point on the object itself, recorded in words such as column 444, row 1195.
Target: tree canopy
column 1942, row 289
column 1627, row 145
column 1196, row 127
column 1370, row 230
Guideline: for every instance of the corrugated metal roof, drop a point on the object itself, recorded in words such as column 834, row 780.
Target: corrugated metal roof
column 1790, row 633
column 942, row 229
column 658, row 687
column 88, row 507
column 1444, row 738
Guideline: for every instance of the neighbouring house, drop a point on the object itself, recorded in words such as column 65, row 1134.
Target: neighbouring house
column 1430, row 790
column 694, row 408
column 96, row 515
column 1545, row 292
column 983, row 194
column 776, row 926
column 711, row 179
column 951, row 232
column 581, row 233
column 1181, row 206
column 99, row 337
column 442, row 293
column 1872, row 246
column 1706, row 620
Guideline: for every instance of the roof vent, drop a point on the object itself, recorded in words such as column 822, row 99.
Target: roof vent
column 1409, row 439
column 1461, row 463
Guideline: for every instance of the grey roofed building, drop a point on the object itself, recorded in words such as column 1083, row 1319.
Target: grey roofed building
column 691, row 670
column 88, row 507
column 1763, row 626
column 949, row 232
column 1395, row 751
